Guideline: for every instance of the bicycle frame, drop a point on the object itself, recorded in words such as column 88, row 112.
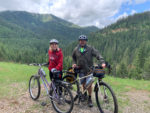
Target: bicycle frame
column 45, row 83
column 101, row 89
column 79, row 79
column 57, row 90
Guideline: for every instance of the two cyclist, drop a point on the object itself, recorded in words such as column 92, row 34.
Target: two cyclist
column 83, row 57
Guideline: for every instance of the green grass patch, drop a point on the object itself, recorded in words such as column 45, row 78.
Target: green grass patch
column 123, row 85
column 14, row 79
column 14, row 76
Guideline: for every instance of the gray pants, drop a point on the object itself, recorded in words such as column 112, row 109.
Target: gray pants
column 83, row 80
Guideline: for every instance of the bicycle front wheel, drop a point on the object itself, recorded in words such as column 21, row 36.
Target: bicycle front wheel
column 106, row 99
column 62, row 99
column 34, row 87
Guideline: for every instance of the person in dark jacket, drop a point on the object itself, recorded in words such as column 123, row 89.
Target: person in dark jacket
column 55, row 59
column 83, row 57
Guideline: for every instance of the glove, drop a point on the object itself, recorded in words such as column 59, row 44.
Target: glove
column 53, row 70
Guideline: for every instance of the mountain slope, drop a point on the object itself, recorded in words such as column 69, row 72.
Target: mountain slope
column 126, row 45
column 28, row 35
column 38, row 26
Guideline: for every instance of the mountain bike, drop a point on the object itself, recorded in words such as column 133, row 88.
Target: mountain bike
column 57, row 91
column 104, row 95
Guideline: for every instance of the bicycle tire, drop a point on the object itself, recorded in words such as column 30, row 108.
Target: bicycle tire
column 65, row 89
column 99, row 104
column 76, row 83
column 35, row 79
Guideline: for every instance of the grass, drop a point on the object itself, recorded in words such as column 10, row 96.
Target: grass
column 14, row 79
column 121, row 86
column 124, row 85
column 12, row 74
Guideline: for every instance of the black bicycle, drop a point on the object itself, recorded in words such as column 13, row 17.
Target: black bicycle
column 104, row 95
column 58, row 92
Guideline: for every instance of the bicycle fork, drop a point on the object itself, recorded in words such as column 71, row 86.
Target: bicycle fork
column 98, row 88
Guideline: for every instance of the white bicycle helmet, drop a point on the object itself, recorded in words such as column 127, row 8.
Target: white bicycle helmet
column 53, row 41
column 83, row 37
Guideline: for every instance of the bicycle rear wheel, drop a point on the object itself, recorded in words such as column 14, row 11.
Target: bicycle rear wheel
column 62, row 99
column 106, row 99
column 34, row 87
column 73, row 86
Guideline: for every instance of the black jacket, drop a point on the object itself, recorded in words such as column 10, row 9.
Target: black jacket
column 85, row 59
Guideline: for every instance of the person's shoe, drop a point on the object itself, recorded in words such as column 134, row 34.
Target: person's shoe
column 84, row 97
column 43, row 103
column 90, row 103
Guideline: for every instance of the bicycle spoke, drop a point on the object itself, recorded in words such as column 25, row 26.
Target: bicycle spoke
column 62, row 100
column 34, row 88
column 106, row 100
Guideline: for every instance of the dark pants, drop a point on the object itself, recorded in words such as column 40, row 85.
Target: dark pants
column 52, row 76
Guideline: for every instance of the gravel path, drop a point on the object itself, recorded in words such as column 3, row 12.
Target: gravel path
column 139, row 102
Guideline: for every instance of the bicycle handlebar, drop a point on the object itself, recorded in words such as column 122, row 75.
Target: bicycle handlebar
column 77, row 69
column 37, row 64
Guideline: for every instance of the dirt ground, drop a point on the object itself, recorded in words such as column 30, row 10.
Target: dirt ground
column 139, row 102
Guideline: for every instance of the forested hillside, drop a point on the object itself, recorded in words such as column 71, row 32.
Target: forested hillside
column 24, row 37
column 126, row 45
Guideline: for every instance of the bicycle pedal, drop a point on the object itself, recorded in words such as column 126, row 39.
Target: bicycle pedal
column 43, row 104
column 82, row 100
column 70, row 87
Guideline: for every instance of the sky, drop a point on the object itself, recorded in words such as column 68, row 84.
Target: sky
column 99, row 13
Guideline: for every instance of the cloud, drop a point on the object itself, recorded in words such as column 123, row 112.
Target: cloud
column 140, row 1
column 124, row 15
column 133, row 12
column 81, row 12
column 37, row 6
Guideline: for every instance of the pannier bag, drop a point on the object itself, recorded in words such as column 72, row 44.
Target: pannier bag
column 72, row 76
column 98, row 72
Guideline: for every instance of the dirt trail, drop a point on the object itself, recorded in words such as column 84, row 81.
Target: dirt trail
column 139, row 102
column 24, row 104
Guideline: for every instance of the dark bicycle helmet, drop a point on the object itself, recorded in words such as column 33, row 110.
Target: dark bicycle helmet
column 53, row 41
column 83, row 37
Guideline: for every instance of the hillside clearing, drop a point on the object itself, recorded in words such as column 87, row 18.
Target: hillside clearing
column 133, row 95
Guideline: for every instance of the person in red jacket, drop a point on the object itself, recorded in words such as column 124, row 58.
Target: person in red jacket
column 55, row 59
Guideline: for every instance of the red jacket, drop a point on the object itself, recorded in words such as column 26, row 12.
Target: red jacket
column 55, row 60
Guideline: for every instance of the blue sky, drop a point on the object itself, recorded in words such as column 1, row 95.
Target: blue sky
column 99, row 13
column 130, row 8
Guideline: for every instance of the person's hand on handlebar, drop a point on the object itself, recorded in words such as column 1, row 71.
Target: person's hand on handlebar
column 103, row 65
column 74, row 65
column 53, row 70
column 109, row 67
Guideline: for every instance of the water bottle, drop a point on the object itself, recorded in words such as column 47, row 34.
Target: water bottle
column 43, row 72
column 89, row 80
